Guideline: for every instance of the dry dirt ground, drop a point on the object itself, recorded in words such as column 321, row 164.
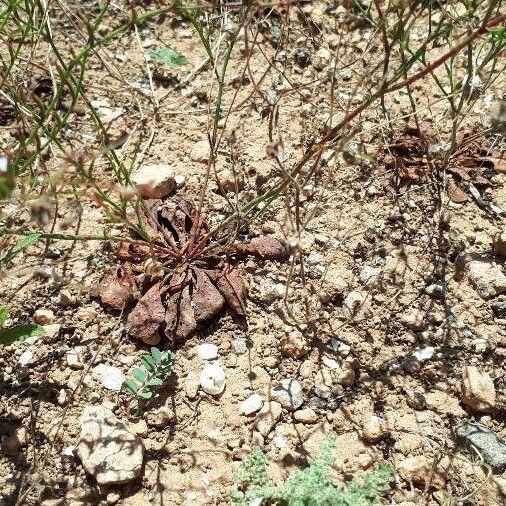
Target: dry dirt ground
column 383, row 278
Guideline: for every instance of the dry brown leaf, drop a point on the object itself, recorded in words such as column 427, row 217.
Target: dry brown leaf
column 232, row 287
column 207, row 300
column 116, row 288
column 148, row 316
column 180, row 317
column 267, row 248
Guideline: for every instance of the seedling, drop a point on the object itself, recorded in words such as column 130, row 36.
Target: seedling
column 17, row 332
column 157, row 366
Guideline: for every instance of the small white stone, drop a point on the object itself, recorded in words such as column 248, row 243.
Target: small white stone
column 288, row 393
column 111, row 377
column 240, row 346
column 201, row 151
column 180, row 180
column 154, row 181
column 212, row 379
column 369, row 275
column 26, row 357
column 279, row 442
column 252, row 404
column 424, row 353
column 74, row 360
column 207, row 351
column 69, row 451
column 330, row 362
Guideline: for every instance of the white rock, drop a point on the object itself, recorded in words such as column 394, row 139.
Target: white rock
column 252, row 404
column 356, row 304
column 369, row 275
column 487, row 278
column 424, row 353
column 154, row 181
column 68, row 451
column 201, row 151
column 212, row 379
column 207, row 351
column 25, row 358
column 288, row 393
column 321, row 59
column 269, row 292
column 330, row 362
column 279, row 441
column 74, row 360
column 268, row 417
column 111, row 377
column 106, row 449
column 240, row 346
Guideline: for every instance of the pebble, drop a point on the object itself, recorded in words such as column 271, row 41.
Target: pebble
column 26, row 357
column 74, row 360
column 268, row 417
column 420, row 470
column 139, row 427
column 154, row 181
column 201, row 151
column 288, row 393
column 478, row 391
column 270, row 292
column 43, row 271
column 346, row 377
column 488, row 445
column 160, row 417
column 43, row 316
column 487, row 278
column 435, row 290
column 306, row 415
column 369, row 276
column 207, row 351
column 330, row 362
column 373, row 429
column 355, row 304
column 294, row 345
column 240, row 346
column 499, row 308
column 302, row 57
column 110, row 377
column 251, row 405
column 106, row 449
column 424, row 353
column 321, row 58
column 212, row 379
column 413, row 319
column 65, row 299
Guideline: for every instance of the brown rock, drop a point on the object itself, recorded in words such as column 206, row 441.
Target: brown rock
column 267, row 417
column 422, row 471
column 374, row 429
column 500, row 244
column 43, row 316
column 154, row 181
column 306, row 415
column 478, row 391
column 294, row 345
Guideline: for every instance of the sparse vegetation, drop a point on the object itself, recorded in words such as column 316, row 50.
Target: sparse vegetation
column 312, row 486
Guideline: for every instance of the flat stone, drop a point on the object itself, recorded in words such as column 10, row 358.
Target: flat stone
column 106, row 449
column 201, row 151
column 154, row 181
column 478, row 391
column 268, row 417
column 207, row 351
column 306, row 415
column 110, row 377
column 288, row 393
column 487, row 278
column 251, row 404
column 489, row 446
column 420, row 470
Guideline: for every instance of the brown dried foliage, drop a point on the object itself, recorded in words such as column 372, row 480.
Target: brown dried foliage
column 195, row 279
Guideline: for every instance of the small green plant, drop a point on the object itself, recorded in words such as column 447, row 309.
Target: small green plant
column 7, row 254
column 168, row 56
column 156, row 368
column 17, row 332
column 309, row 487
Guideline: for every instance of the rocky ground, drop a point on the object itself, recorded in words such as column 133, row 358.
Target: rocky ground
column 392, row 336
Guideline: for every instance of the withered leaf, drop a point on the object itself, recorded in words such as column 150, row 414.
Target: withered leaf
column 207, row 300
column 267, row 248
column 180, row 318
column 231, row 285
column 456, row 193
column 116, row 288
column 148, row 316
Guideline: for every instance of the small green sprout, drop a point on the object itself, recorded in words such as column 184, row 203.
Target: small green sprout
column 157, row 366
